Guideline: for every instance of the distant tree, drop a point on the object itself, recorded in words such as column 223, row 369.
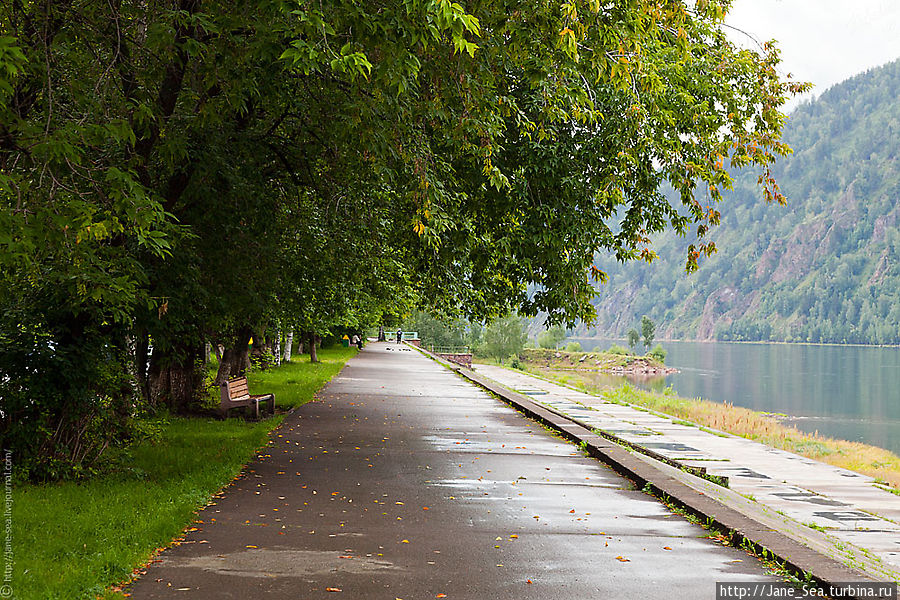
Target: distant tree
column 633, row 338
column 573, row 347
column 552, row 337
column 435, row 330
column 504, row 337
column 648, row 329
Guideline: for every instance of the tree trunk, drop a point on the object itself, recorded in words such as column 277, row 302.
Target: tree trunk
column 311, row 343
column 277, row 348
column 175, row 378
column 235, row 361
column 142, row 364
column 263, row 349
column 381, row 336
column 288, row 342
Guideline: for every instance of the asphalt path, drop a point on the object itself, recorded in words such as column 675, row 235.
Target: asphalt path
column 405, row 481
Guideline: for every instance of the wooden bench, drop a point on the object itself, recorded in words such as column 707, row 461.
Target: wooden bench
column 236, row 393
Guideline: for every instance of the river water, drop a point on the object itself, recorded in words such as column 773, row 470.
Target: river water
column 846, row 392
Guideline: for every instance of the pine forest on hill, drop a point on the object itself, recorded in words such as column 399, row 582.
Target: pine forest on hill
column 823, row 268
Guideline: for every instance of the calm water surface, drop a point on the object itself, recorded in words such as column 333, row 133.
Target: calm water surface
column 845, row 392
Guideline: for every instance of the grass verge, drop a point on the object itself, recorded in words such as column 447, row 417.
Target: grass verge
column 875, row 462
column 77, row 539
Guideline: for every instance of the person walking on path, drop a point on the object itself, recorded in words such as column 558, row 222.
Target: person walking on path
column 399, row 335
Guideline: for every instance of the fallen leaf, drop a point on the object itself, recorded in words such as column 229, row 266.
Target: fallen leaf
column 404, row 541
column 623, row 559
column 572, row 511
column 441, row 596
column 251, row 546
column 332, row 589
column 514, row 536
column 666, row 548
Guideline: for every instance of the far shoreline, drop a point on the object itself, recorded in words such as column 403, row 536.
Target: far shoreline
column 750, row 342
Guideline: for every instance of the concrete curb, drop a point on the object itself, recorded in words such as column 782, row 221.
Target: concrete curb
column 743, row 530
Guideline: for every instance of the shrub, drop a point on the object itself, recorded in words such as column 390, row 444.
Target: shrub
column 573, row 347
column 552, row 337
column 504, row 337
column 658, row 353
column 617, row 349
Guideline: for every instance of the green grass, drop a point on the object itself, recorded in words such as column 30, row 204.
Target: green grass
column 294, row 385
column 77, row 539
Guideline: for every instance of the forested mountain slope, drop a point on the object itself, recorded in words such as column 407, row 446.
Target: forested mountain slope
column 824, row 268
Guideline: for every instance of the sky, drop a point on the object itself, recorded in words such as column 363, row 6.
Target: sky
column 822, row 41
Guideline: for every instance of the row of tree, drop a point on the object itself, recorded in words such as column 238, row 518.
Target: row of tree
column 189, row 171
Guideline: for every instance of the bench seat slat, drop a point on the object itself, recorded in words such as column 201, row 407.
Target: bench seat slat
column 236, row 393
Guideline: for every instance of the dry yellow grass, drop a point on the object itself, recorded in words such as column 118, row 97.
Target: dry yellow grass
column 861, row 458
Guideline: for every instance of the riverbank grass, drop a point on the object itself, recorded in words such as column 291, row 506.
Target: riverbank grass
column 77, row 539
column 875, row 462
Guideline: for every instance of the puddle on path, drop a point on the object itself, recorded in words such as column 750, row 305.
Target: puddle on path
column 283, row 562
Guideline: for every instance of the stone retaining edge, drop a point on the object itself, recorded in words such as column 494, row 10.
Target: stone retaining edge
column 822, row 569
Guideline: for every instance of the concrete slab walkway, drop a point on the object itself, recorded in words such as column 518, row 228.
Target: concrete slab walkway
column 405, row 481
column 839, row 513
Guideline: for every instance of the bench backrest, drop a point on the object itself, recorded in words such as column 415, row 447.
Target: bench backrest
column 236, row 388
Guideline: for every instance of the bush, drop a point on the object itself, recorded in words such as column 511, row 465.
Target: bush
column 504, row 337
column 573, row 347
column 65, row 394
column 552, row 337
column 617, row 349
column 658, row 353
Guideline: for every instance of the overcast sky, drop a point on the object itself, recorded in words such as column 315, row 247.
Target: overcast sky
column 823, row 41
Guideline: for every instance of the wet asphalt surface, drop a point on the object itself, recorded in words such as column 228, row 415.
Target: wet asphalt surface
column 405, row 481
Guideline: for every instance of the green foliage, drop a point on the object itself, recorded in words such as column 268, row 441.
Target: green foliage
column 573, row 347
column 64, row 393
column 617, row 349
column 648, row 330
column 658, row 353
column 225, row 171
column 446, row 332
column 633, row 338
column 551, row 338
column 504, row 337
column 822, row 269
